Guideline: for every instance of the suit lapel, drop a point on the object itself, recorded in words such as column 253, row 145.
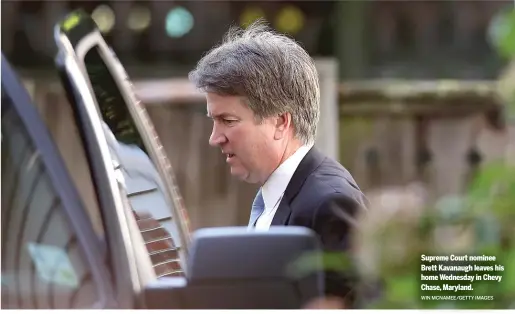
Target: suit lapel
column 282, row 214
column 308, row 164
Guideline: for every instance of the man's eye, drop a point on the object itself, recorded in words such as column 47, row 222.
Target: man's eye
column 226, row 121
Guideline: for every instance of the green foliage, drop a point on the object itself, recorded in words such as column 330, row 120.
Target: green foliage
column 502, row 33
column 311, row 262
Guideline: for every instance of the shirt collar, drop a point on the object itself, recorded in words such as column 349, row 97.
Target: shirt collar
column 276, row 184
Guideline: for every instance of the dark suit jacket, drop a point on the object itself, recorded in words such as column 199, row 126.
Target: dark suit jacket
column 322, row 195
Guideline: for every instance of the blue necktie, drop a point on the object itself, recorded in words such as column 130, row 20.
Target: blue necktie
column 258, row 206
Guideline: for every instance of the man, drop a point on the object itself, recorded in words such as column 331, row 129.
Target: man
column 263, row 95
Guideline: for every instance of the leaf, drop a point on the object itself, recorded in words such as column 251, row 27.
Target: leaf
column 311, row 262
column 403, row 289
column 493, row 189
column 508, row 276
column 487, row 230
column 502, row 33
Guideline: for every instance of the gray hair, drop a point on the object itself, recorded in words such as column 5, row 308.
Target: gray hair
column 273, row 73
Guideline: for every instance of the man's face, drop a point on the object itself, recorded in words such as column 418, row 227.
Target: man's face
column 251, row 149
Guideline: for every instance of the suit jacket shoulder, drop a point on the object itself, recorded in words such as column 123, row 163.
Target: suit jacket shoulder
column 329, row 180
column 318, row 179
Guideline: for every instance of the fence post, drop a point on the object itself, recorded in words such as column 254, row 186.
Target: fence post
column 328, row 126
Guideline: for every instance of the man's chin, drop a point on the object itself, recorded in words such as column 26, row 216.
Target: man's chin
column 242, row 176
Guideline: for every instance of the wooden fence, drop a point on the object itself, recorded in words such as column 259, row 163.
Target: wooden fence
column 390, row 133
column 437, row 133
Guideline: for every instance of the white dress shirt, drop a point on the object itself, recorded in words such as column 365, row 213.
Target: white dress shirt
column 274, row 187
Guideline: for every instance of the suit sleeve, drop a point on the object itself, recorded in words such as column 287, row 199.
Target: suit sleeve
column 334, row 221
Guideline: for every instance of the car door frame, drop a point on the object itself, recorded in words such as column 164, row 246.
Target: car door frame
column 73, row 207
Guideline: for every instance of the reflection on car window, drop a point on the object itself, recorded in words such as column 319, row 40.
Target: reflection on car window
column 58, row 115
column 144, row 188
column 43, row 265
column 112, row 105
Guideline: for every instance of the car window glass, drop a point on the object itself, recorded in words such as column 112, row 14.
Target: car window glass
column 43, row 264
column 143, row 185
column 57, row 114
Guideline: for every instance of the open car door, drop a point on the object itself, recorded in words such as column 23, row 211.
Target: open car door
column 129, row 167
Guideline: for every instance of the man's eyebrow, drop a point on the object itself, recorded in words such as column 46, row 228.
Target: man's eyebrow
column 220, row 115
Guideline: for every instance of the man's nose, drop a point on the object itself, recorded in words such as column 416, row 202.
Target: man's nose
column 217, row 138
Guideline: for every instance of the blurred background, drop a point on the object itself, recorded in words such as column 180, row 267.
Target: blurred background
column 369, row 39
column 417, row 102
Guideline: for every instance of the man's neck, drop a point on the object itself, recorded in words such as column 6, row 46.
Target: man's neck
column 289, row 150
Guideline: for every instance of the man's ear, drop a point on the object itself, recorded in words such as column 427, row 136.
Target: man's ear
column 283, row 124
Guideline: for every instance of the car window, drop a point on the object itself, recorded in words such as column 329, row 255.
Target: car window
column 43, row 264
column 58, row 116
column 143, row 184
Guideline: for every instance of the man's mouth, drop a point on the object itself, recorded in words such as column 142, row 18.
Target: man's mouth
column 229, row 157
